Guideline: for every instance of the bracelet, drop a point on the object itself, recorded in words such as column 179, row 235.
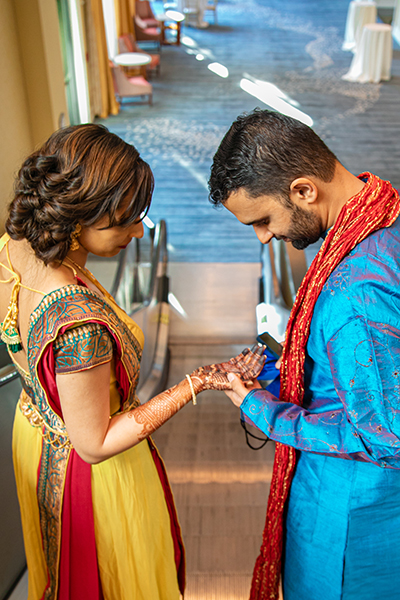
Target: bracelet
column 192, row 389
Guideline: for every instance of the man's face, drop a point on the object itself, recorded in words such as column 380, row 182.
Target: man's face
column 271, row 219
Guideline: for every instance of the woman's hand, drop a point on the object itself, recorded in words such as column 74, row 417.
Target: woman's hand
column 240, row 389
column 85, row 403
column 247, row 365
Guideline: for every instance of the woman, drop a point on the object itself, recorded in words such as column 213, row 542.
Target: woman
column 97, row 511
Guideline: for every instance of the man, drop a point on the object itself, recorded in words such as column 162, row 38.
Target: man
column 334, row 507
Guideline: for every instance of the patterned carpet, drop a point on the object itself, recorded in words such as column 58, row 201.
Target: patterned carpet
column 292, row 50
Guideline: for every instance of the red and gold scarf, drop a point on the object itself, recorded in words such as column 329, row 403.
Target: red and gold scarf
column 376, row 206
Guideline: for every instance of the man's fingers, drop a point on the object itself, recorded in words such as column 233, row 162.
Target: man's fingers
column 235, row 381
column 237, row 385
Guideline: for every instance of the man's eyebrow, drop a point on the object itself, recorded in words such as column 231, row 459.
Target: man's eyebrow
column 256, row 222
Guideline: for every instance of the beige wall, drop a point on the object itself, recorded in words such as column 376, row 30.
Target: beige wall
column 16, row 137
column 33, row 93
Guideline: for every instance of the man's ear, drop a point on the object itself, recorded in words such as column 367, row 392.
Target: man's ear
column 303, row 190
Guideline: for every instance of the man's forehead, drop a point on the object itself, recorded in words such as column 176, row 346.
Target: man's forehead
column 240, row 194
column 240, row 199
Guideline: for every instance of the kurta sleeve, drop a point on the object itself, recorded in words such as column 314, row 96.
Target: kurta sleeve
column 83, row 347
column 364, row 358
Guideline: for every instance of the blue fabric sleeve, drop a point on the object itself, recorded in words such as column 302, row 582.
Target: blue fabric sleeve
column 364, row 358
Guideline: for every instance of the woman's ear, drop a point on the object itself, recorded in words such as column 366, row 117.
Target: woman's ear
column 303, row 190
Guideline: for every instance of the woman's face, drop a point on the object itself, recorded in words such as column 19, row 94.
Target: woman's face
column 108, row 242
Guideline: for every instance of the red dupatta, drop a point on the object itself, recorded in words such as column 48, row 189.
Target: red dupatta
column 376, row 206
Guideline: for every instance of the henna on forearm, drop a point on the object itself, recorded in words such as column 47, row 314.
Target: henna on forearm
column 161, row 408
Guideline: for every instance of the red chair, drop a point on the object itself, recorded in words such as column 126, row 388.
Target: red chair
column 127, row 43
column 146, row 34
column 145, row 12
column 131, row 87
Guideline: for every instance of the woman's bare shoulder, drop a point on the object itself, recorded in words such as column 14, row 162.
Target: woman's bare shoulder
column 19, row 264
column 33, row 272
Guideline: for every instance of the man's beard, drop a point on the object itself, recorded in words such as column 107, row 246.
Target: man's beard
column 305, row 227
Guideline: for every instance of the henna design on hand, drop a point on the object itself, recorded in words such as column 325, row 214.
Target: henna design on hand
column 159, row 409
column 154, row 413
column 247, row 365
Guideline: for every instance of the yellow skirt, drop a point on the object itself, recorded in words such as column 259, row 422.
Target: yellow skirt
column 132, row 524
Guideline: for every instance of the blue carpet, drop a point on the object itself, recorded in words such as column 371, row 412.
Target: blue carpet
column 294, row 47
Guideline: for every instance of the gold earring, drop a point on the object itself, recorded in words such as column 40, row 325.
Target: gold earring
column 74, row 237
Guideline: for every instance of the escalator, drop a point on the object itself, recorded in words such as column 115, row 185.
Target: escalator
column 141, row 289
column 12, row 555
column 282, row 271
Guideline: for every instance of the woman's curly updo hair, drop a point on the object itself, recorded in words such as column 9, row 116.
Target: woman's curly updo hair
column 81, row 174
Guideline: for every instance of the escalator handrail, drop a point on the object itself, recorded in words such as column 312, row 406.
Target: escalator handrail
column 120, row 270
column 7, row 374
column 159, row 257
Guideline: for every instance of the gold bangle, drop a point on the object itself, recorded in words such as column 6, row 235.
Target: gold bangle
column 192, row 389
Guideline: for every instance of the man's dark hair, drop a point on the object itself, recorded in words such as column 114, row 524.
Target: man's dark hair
column 263, row 152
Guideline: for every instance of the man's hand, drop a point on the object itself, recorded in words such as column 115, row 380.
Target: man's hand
column 239, row 390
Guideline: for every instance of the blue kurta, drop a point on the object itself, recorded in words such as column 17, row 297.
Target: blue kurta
column 343, row 520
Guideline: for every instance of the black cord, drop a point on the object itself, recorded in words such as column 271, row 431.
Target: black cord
column 251, row 435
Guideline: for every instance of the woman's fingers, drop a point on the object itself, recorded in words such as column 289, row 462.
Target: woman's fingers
column 247, row 365
column 248, row 355
column 240, row 356
column 258, row 366
column 253, row 367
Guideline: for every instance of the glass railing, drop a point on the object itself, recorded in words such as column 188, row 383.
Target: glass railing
column 282, row 270
column 141, row 289
column 12, row 555
column 140, row 266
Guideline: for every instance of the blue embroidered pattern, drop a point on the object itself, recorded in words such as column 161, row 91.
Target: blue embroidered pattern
column 82, row 348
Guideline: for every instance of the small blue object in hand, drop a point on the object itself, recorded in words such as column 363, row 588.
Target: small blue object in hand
column 269, row 375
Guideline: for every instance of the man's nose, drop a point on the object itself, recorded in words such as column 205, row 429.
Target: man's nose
column 263, row 234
